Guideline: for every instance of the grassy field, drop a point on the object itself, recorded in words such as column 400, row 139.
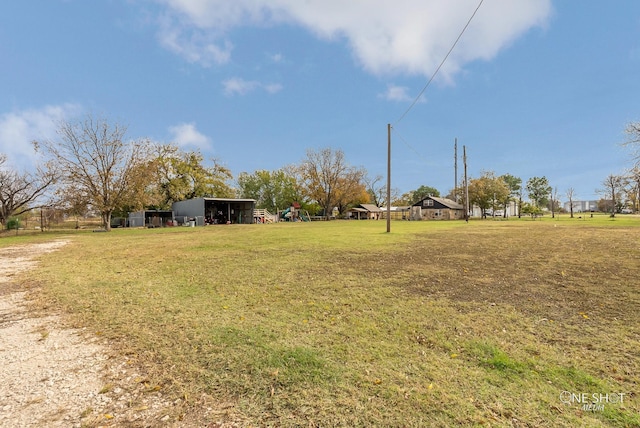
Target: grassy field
column 491, row 323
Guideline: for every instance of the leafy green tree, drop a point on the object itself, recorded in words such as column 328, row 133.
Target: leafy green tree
column 488, row 191
column 181, row 175
column 424, row 191
column 538, row 189
column 531, row 209
column 416, row 195
column 514, row 185
column 273, row 190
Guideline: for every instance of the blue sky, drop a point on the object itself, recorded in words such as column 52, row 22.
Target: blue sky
column 533, row 88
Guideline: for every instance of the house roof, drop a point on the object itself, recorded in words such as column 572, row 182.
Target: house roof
column 443, row 201
column 371, row 208
column 449, row 203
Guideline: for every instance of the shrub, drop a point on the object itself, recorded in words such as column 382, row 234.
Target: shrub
column 13, row 223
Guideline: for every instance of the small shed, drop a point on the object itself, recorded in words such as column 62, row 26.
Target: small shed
column 364, row 212
column 433, row 208
column 215, row 211
column 151, row 218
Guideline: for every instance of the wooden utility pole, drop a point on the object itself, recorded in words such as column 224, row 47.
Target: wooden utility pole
column 388, row 177
column 466, row 185
column 455, row 170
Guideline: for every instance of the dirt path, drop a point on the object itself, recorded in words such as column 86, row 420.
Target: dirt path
column 54, row 376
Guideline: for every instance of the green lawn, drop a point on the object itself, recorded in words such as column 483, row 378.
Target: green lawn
column 341, row 324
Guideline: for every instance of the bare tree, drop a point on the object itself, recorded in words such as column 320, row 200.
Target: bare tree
column 571, row 193
column 328, row 178
column 612, row 187
column 98, row 164
column 22, row 192
column 376, row 189
column 554, row 202
column 633, row 140
column 633, row 187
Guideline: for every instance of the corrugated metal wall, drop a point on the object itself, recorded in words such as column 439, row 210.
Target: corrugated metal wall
column 190, row 208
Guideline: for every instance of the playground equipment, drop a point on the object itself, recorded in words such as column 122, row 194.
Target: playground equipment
column 264, row 216
column 294, row 213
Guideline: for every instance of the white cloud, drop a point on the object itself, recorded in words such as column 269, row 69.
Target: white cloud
column 409, row 36
column 239, row 86
column 194, row 45
column 186, row 134
column 277, row 58
column 19, row 129
column 396, row 93
column 272, row 88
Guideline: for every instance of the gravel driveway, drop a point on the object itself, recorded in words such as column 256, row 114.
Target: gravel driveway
column 55, row 376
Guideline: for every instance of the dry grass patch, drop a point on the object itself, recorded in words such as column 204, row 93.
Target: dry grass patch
column 340, row 324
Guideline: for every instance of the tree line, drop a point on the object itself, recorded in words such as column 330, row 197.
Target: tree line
column 619, row 192
column 622, row 190
column 93, row 167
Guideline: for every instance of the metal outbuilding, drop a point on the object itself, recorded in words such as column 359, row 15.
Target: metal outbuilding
column 151, row 218
column 214, row 211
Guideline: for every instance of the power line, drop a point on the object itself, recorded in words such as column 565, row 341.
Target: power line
column 442, row 63
column 409, row 146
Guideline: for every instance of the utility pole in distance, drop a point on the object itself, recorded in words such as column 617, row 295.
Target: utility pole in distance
column 388, row 177
column 466, row 185
column 455, row 170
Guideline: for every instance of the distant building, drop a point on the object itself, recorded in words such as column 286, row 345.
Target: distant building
column 432, row 208
column 151, row 218
column 581, row 206
column 512, row 210
column 365, row 212
column 214, row 211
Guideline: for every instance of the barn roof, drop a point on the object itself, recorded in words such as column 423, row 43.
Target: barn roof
column 228, row 200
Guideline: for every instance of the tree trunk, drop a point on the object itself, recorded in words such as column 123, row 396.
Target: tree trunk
column 520, row 206
column 106, row 220
column 613, row 202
